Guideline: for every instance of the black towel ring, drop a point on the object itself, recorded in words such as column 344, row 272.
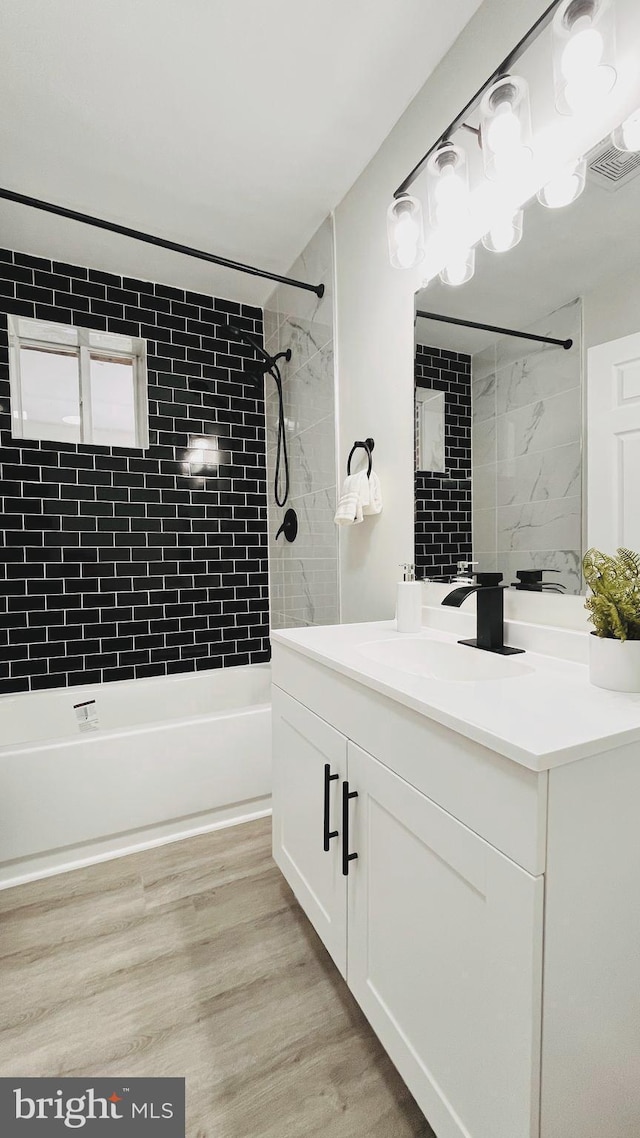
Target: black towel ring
column 367, row 445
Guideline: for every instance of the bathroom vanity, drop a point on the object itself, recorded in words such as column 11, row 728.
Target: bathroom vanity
column 468, row 851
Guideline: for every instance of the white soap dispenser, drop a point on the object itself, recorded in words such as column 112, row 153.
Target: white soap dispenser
column 409, row 602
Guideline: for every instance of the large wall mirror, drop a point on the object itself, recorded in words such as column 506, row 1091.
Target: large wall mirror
column 539, row 453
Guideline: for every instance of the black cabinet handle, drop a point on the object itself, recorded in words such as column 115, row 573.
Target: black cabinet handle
column 346, row 856
column 328, row 833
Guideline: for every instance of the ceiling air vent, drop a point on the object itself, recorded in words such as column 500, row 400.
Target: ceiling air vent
column 611, row 168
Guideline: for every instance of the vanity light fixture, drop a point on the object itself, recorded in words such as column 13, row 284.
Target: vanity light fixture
column 582, row 34
column 449, row 249
column 583, row 54
column 405, row 232
column 460, row 120
column 627, row 135
column 505, row 128
column 565, row 186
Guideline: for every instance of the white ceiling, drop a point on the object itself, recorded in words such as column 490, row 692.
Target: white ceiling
column 234, row 126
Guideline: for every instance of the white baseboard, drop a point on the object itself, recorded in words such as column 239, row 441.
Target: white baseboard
column 49, row 864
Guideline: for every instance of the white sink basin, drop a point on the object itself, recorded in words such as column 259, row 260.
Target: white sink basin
column 455, row 663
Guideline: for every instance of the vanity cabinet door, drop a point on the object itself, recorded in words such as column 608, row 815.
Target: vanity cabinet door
column 309, row 766
column 445, row 957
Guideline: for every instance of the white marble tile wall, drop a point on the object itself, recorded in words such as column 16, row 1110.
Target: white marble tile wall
column 304, row 574
column 527, row 461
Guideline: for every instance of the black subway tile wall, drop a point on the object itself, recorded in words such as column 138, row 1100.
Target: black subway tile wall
column 443, row 501
column 120, row 563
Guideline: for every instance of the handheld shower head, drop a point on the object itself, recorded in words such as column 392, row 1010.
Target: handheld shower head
column 240, row 336
column 265, row 362
column 254, row 370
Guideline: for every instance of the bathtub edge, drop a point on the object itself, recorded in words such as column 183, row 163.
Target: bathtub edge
column 59, row 861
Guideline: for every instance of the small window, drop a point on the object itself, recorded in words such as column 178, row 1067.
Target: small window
column 74, row 385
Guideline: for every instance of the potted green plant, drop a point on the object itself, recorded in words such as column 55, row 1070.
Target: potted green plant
column 614, row 610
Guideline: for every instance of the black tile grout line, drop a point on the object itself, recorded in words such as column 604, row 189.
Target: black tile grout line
column 443, row 518
column 116, row 564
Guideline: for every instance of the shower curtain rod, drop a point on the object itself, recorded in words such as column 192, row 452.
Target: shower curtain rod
column 566, row 344
column 161, row 242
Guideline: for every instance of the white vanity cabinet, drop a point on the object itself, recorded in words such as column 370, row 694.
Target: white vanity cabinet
column 437, row 933
column 445, row 957
column 309, row 769
column 484, row 912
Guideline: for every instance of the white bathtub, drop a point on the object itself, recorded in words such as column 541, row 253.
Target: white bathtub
column 158, row 760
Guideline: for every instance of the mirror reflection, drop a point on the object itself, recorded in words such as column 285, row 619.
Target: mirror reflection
column 541, row 439
column 429, row 428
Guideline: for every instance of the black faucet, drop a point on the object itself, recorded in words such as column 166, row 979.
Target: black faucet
column 490, row 610
column 531, row 581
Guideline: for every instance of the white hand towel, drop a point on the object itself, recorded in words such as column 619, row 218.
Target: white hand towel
column 353, row 498
column 374, row 505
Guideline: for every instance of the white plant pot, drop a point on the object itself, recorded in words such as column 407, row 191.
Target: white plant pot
column 614, row 664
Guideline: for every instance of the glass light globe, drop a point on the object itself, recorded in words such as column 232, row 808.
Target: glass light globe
column 405, row 232
column 504, row 131
column 586, row 91
column 451, row 194
column 460, row 266
column 457, row 271
column 407, row 241
column 448, row 186
column 627, row 135
column 505, row 232
column 502, row 235
column 582, row 53
column 564, row 187
column 505, row 128
column 451, row 200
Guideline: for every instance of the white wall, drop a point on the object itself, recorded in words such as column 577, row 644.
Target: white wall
column 375, row 310
column 612, row 310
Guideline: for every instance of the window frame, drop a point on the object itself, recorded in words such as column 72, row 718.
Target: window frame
column 82, row 343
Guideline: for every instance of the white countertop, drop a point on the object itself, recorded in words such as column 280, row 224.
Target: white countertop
column 550, row 716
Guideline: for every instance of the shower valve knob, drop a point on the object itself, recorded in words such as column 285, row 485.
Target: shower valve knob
column 289, row 526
